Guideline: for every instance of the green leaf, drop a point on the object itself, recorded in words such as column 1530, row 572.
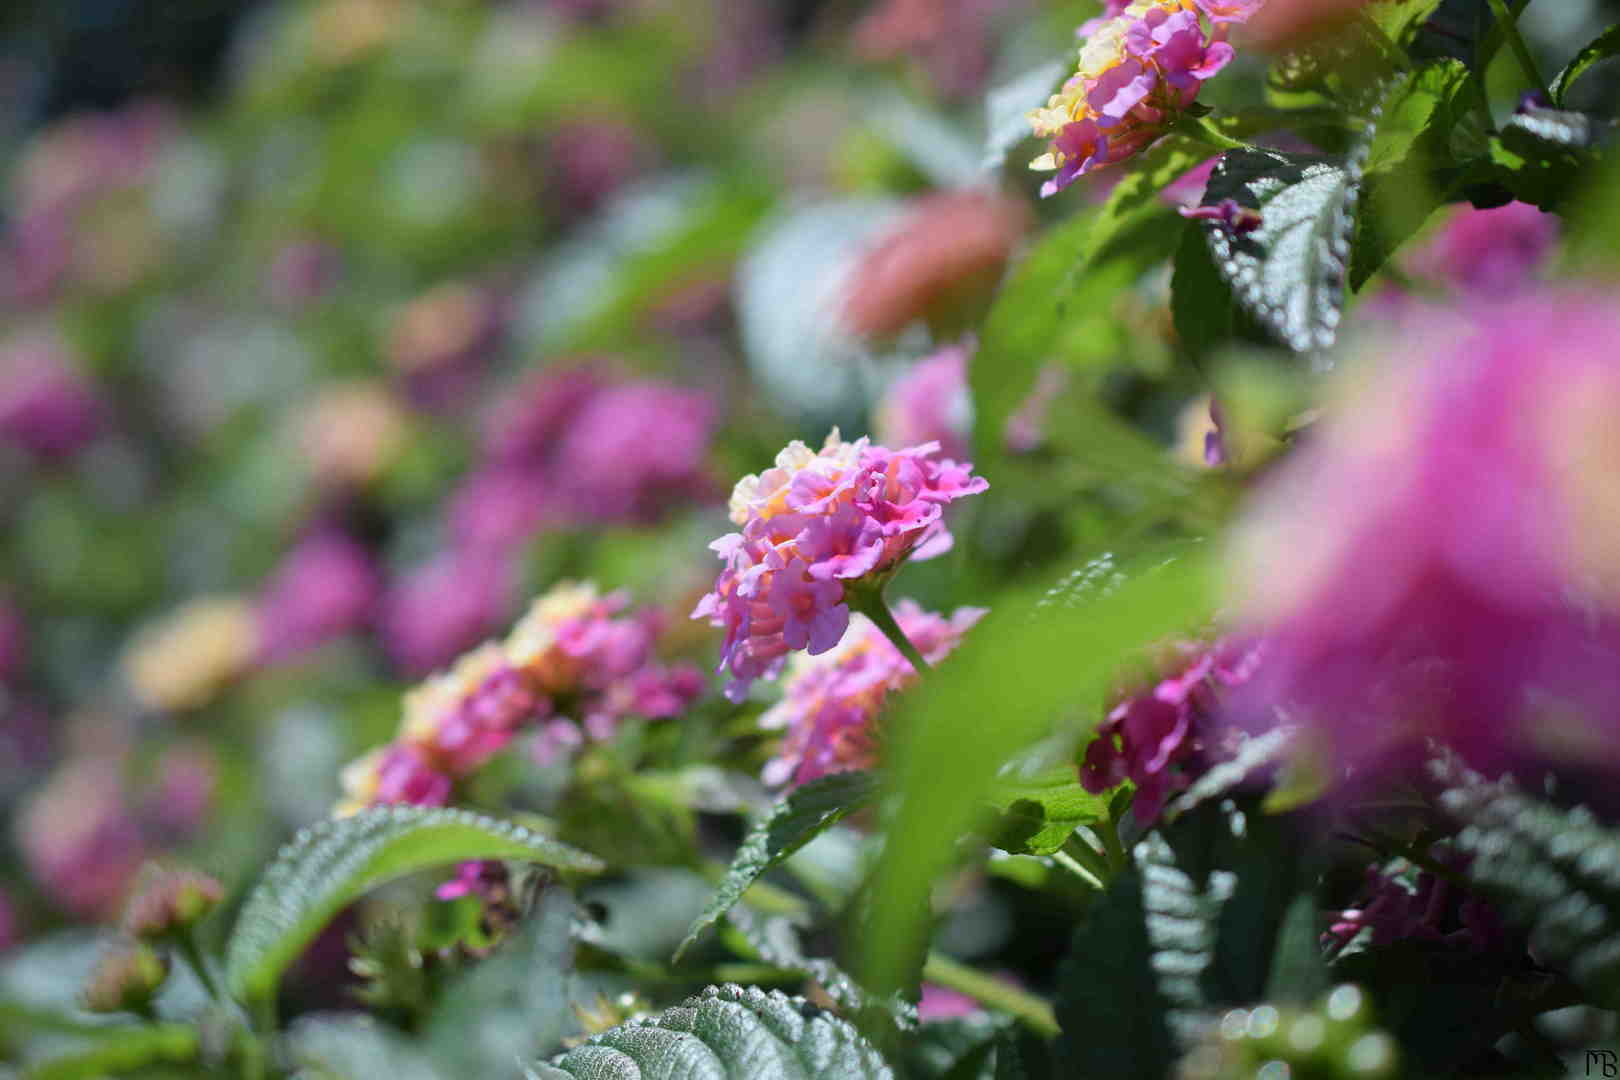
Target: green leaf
column 1005, row 688
column 1400, row 19
column 1036, row 814
column 1604, row 46
column 120, row 1050
column 1200, row 299
column 799, row 818
column 1109, row 1003
column 725, row 1032
column 1299, row 976
column 328, row 865
column 1182, row 920
column 775, row 941
column 350, row 1047
column 1553, row 871
column 1289, row 273
column 512, row 1005
column 1058, row 303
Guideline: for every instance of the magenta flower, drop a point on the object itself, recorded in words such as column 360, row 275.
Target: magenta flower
column 930, row 403
column 1140, row 67
column 497, row 508
column 79, row 839
column 831, row 702
column 1163, row 738
column 634, row 450
column 405, row 775
column 327, row 586
column 1439, row 559
column 1405, row 904
column 1488, row 252
column 441, row 608
column 187, row 779
column 47, row 406
column 844, row 517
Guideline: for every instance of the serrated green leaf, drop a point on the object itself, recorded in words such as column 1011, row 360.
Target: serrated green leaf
column 1289, row 273
column 1036, row 814
column 775, row 941
column 328, row 865
column 119, row 1050
column 725, row 1032
column 1109, row 1005
column 1200, row 299
column 1604, row 46
column 1182, row 920
column 799, row 818
column 513, row 1005
column 993, row 699
column 350, row 1047
column 1400, row 19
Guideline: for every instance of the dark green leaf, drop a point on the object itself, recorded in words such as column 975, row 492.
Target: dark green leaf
column 1108, row 1003
column 1604, row 46
column 995, row 697
column 1036, row 814
column 1200, row 299
column 1289, row 273
column 725, row 1032
column 1400, row 19
column 513, row 1005
column 1299, row 976
column 1181, row 927
column 328, row 865
column 799, row 818
column 776, row 942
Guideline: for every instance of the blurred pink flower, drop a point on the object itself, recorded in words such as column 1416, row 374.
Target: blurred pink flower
column 635, row 449
column 496, row 508
column 1163, row 738
column 851, row 512
column 442, row 607
column 930, row 403
column 942, row 1003
column 944, row 256
column 79, row 839
column 1440, row 559
column 1025, row 429
column 438, row 342
column 183, row 794
column 831, row 702
column 325, row 587
column 1488, row 252
column 591, row 158
column 303, row 271
column 528, row 422
column 46, row 405
column 950, row 39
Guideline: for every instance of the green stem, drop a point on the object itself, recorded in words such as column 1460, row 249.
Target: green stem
column 870, row 602
column 186, row 944
column 1509, row 25
column 1201, row 130
column 1118, row 860
column 1036, row 1013
column 1079, row 869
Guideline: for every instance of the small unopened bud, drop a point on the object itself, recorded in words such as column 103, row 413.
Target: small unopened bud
column 125, row 979
column 168, row 900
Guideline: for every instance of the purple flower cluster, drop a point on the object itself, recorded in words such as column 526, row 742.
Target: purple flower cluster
column 1403, row 903
column 47, row 406
column 1142, row 64
column 1439, row 559
column 814, row 526
column 1162, row 738
column 831, row 702
column 571, row 669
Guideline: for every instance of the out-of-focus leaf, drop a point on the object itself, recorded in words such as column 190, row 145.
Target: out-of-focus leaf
column 958, row 1048
column 1182, row 921
column 790, row 293
column 1036, row 814
column 1603, row 47
column 800, row 817
column 350, row 1047
column 118, row 1051
column 1534, row 130
column 1200, row 299
column 1109, row 1004
column 329, row 864
column 933, row 144
column 514, row 1004
column 1289, row 273
column 1007, row 107
column 727, row 1031
column 1299, row 975
column 1400, row 19
column 1003, row 690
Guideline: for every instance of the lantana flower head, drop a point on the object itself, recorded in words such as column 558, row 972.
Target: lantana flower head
column 1141, row 65
column 813, row 527
column 831, row 702
column 575, row 665
column 1440, row 559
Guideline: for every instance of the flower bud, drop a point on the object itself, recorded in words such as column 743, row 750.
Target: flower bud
column 126, row 979
column 168, row 900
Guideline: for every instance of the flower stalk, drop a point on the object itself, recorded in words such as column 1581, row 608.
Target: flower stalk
column 1035, row 1012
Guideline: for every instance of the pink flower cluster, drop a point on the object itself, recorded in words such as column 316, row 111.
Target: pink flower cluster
column 1439, row 560
column 930, row 403
column 325, row 587
column 812, row 527
column 1162, row 738
column 1142, row 64
column 571, row 668
column 831, row 702
column 1403, row 903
